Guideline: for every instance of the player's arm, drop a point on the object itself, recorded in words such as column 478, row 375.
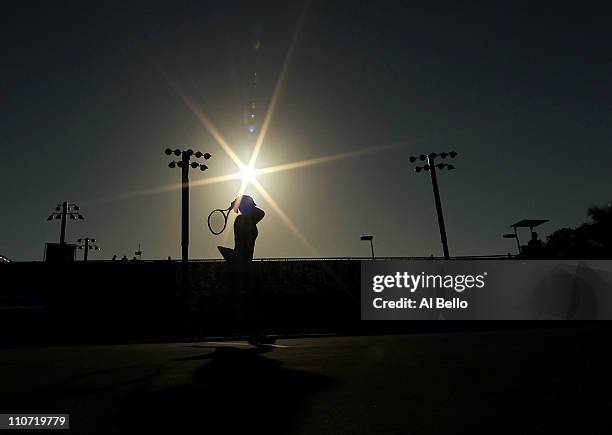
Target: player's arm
column 258, row 215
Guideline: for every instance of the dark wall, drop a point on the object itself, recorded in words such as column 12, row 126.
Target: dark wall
column 111, row 302
column 116, row 301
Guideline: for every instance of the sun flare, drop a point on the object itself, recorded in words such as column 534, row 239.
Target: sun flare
column 248, row 174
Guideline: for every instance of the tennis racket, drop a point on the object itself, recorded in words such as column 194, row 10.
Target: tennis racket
column 217, row 220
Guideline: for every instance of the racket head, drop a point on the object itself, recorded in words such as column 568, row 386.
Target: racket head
column 217, row 220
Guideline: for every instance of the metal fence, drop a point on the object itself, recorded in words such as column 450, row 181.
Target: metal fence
column 302, row 259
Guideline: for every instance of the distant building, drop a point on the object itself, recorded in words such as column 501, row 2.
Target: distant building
column 60, row 253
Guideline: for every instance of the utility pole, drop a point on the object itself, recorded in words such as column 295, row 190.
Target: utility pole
column 64, row 211
column 431, row 167
column 184, row 164
column 86, row 244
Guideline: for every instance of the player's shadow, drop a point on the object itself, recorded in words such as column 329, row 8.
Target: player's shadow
column 234, row 390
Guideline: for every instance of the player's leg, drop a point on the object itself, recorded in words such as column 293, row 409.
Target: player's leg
column 257, row 307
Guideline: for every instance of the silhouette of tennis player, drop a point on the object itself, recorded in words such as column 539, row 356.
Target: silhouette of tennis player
column 245, row 234
column 245, row 227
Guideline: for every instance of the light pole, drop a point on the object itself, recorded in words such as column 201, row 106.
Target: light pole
column 139, row 252
column 371, row 240
column 63, row 211
column 184, row 164
column 431, row 167
column 86, row 244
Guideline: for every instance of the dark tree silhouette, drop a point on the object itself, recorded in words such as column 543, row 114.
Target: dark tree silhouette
column 591, row 240
column 600, row 230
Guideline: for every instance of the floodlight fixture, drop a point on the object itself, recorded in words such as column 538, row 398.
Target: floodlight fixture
column 431, row 168
column 185, row 163
column 63, row 212
column 87, row 244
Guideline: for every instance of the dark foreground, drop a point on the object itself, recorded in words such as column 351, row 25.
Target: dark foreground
column 487, row 382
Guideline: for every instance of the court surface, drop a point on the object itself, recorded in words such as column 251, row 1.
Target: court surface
column 494, row 382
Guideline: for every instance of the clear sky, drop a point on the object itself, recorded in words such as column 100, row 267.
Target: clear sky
column 89, row 102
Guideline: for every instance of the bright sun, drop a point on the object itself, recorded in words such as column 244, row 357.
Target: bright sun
column 248, row 174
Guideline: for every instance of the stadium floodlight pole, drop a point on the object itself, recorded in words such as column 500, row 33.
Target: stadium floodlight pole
column 64, row 211
column 86, row 244
column 431, row 167
column 184, row 164
column 371, row 240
